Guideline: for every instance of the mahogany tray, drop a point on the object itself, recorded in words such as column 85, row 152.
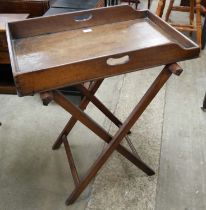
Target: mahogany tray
column 52, row 52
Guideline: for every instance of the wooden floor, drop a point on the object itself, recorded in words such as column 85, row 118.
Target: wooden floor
column 182, row 175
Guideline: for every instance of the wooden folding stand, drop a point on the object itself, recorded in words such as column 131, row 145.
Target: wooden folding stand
column 76, row 51
column 113, row 141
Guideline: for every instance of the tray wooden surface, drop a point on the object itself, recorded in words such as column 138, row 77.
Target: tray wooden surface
column 51, row 52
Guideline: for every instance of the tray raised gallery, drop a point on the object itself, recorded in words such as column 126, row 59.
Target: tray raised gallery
column 52, row 52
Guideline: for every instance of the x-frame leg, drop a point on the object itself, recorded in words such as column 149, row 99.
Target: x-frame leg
column 98, row 130
column 88, row 96
column 99, row 105
column 93, row 88
column 114, row 142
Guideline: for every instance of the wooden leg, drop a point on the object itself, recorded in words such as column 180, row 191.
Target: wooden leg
column 191, row 16
column 100, row 105
column 46, row 98
column 90, row 97
column 204, row 104
column 198, row 22
column 204, row 34
column 187, row 27
column 113, row 143
column 98, row 130
column 149, row 4
column 93, row 88
column 192, row 10
column 136, row 4
column 169, row 10
column 71, row 161
column 160, row 8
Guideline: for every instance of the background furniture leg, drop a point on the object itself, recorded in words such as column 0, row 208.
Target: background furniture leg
column 160, row 8
column 169, row 10
column 204, row 104
column 204, row 34
column 198, row 22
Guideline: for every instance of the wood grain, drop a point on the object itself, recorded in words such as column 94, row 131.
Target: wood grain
column 44, row 57
column 46, row 51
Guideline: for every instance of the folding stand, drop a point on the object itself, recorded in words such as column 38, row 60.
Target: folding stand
column 113, row 141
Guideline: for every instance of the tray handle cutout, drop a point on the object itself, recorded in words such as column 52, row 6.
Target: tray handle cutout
column 118, row 61
column 84, row 17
